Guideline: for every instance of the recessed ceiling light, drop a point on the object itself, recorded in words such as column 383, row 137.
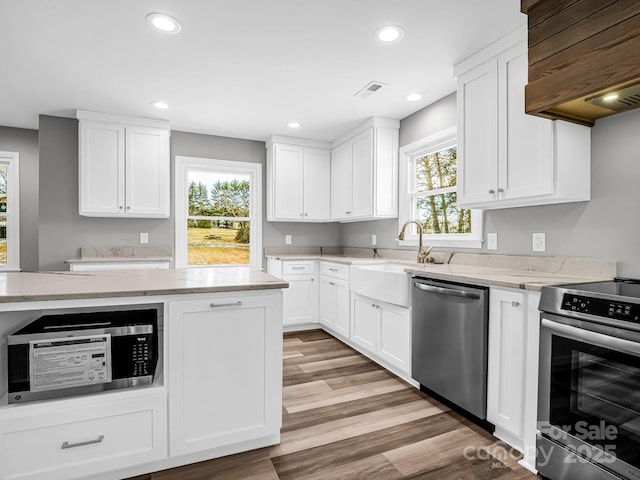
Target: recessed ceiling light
column 413, row 97
column 160, row 105
column 164, row 22
column 610, row 98
column 293, row 125
column 389, row 34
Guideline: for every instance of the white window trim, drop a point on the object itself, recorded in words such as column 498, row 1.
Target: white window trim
column 254, row 170
column 423, row 146
column 11, row 159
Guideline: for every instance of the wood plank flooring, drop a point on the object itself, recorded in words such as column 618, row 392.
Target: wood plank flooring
column 344, row 417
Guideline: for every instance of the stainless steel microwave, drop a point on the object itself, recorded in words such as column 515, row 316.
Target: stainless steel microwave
column 80, row 353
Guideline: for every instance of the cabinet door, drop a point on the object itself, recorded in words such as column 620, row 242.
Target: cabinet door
column 288, row 182
column 341, row 182
column 317, row 184
column 299, row 300
column 386, row 170
column 342, row 307
column 478, row 134
column 147, row 172
column 101, row 168
column 225, row 372
column 362, row 174
column 506, row 362
column 526, row 155
column 364, row 325
column 395, row 336
column 327, row 301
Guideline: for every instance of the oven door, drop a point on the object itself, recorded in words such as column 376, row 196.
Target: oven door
column 590, row 394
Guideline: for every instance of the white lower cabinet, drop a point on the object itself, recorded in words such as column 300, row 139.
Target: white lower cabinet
column 383, row 331
column 226, row 371
column 300, row 300
column 334, row 310
column 73, row 439
column 513, row 368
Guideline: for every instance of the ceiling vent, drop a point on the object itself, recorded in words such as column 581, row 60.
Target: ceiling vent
column 369, row 89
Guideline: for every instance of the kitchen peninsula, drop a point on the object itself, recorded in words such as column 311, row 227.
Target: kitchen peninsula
column 216, row 388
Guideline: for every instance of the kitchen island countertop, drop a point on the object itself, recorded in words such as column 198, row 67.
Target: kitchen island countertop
column 39, row 286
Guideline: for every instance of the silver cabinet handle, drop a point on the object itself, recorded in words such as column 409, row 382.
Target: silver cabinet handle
column 515, row 304
column 446, row 291
column 333, row 269
column 120, row 207
column 311, row 279
column 306, row 214
column 331, row 283
column 66, row 445
column 501, row 190
column 128, row 208
column 298, row 268
column 302, row 214
column 492, row 191
column 229, row 304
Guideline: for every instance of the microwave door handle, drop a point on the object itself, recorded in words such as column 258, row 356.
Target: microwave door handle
column 446, row 291
column 612, row 343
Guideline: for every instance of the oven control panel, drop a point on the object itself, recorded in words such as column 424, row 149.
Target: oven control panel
column 629, row 312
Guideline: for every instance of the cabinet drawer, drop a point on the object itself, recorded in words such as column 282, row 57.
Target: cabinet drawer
column 295, row 268
column 336, row 270
column 76, row 442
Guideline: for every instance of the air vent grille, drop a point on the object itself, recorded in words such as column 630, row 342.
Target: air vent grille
column 369, row 89
column 628, row 98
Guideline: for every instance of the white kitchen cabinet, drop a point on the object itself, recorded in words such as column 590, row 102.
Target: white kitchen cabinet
column 300, row 299
column 383, row 331
column 123, row 166
column 226, row 371
column 507, row 158
column 364, row 169
column 298, row 180
column 334, row 311
column 512, row 387
column 72, row 439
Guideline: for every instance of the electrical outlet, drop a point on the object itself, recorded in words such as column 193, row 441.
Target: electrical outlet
column 539, row 242
column 144, row 237
column 374, row 240
column 492, row 241
column 288, row 240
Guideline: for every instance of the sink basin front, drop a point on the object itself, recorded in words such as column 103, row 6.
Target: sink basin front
column 385, row 282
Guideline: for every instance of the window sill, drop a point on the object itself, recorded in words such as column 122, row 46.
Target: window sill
column 443, row 242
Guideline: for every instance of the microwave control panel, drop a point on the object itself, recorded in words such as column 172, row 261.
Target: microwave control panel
column 141, row 356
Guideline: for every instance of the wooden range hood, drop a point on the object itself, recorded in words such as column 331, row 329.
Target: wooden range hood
column 581, row 54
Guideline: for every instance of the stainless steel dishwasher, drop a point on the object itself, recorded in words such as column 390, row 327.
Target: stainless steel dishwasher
column 449, row 342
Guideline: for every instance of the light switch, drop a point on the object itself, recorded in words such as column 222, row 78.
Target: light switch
column 374, row 240
column 492, row 241
column 144, row 237
column 287, row 240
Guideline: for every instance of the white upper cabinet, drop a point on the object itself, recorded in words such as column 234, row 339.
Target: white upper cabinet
column 123, row 166
column 507, row 158
column 298, row 180
column 364, row 169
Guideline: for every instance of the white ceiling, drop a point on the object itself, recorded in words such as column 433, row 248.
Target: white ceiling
column 238, row 68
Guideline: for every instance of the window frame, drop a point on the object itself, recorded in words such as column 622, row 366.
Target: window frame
column 433, row 143
column 181, row 213
column 11, row 159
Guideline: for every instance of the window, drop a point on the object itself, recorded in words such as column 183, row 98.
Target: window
column 428, row 194
column 218, row 214
column 9, row 212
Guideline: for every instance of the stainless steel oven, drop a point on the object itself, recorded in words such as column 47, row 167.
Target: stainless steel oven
column 589, row 388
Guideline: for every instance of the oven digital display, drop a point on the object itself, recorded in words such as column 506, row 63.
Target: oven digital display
column 602, row 308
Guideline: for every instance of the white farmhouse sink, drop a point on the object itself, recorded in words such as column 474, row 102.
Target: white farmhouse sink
column 385, row 282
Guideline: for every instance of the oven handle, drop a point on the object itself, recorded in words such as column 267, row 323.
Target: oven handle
column 613, row 343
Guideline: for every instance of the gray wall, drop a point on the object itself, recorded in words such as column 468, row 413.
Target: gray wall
column 62, row 230
column 425, row 122
column 25, row 142
column 223, row 148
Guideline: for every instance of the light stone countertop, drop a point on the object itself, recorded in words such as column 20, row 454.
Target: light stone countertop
column 512, row 271
column 36, row 286
column 138, row 254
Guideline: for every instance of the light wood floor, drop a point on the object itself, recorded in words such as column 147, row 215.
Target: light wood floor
column 344, row 417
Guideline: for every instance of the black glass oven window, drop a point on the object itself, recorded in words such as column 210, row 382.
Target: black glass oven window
column 595, row 396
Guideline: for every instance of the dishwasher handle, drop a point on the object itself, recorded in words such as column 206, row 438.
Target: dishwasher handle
column 446, row 291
